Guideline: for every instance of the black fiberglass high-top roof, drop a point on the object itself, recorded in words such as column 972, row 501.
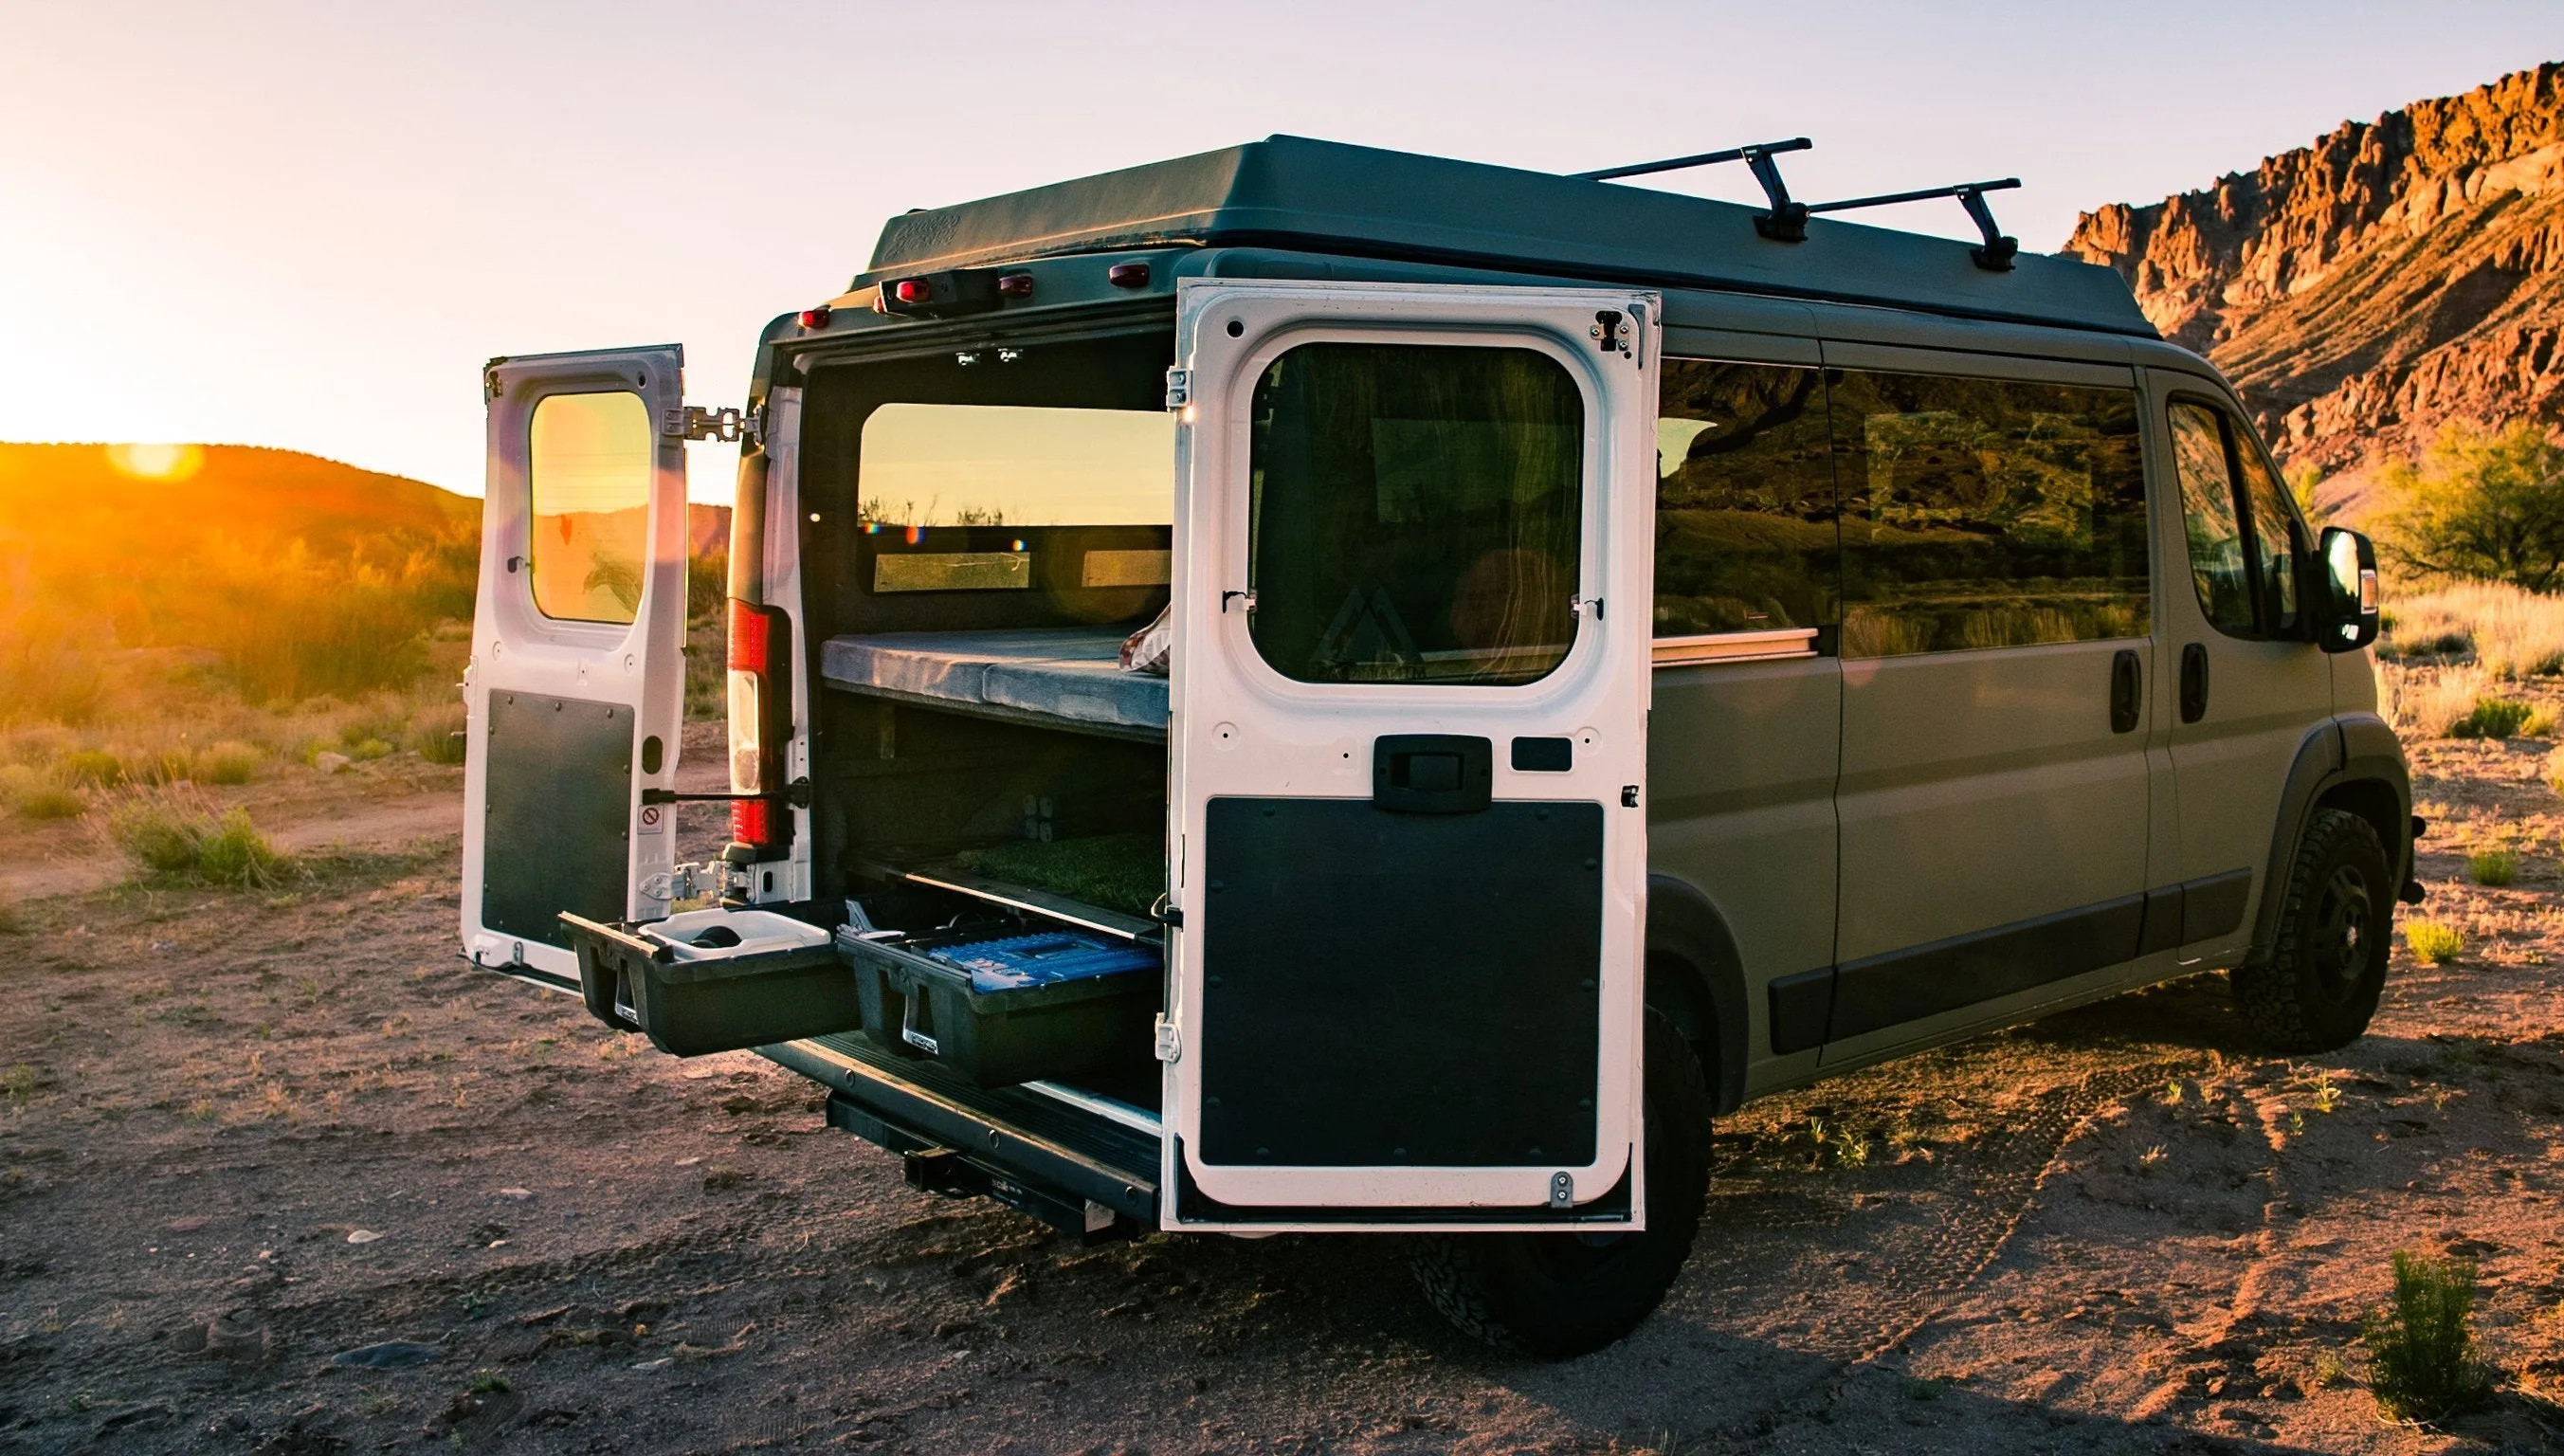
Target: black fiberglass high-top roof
column 1326, row 197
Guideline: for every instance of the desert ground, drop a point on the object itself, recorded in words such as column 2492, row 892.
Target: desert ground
column 278, row 1173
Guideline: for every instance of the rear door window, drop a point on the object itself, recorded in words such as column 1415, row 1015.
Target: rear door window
column 1745, row 500
column 1987, row 513
column 1417, row 513
column 589, row 475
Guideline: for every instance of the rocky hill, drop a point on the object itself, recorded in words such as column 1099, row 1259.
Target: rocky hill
column 2367, row 290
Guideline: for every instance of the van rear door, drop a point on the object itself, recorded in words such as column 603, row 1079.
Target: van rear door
column 576, row 688
column 1413, row 569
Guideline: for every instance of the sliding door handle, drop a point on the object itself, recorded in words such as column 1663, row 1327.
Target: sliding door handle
column 2193, row 681
column 2127, row 690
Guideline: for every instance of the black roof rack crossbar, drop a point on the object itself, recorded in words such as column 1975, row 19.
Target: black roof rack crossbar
column 1787, row 221
column 1993, row 255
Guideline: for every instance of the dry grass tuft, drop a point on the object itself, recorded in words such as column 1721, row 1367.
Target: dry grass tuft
column 2433, row 942
column 177, row 831
column 2509, row 633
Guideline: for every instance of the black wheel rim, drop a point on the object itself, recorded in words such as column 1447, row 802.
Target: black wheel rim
column 2339, row 940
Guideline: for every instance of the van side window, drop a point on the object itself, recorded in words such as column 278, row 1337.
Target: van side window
column 2275, row 542
column 588, row 476
column 2208, row 519
column 1415, row 514
column 1745, row 500
column 1985, row 513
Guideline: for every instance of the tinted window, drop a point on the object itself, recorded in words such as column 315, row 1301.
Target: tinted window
column 2217, row 569
column 1981, row 513
column 1415, row 514
column 589, row 476
column 1745, row 500
column 1017, row 465
column 2276, row 544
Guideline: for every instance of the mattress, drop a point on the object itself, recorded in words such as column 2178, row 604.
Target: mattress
column 1067, row 675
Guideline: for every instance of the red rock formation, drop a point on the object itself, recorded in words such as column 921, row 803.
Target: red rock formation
column 2364, row 291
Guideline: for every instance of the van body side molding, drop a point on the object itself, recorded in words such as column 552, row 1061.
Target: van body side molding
column 1881, row 992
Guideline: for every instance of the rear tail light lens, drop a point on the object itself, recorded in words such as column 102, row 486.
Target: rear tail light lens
column 757, row 702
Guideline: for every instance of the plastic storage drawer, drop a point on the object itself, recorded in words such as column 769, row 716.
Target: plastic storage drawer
column 714, row 980
column 1003, row 1007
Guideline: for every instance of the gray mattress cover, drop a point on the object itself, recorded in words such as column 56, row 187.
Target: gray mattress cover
column 1070, row 673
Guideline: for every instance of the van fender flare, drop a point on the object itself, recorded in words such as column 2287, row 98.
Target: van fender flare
column 1696, row 977
column 2350, row 761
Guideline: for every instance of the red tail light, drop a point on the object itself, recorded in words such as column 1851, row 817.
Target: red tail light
column 760, row 704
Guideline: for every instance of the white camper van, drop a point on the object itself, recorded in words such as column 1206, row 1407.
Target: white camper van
column 1312, row 689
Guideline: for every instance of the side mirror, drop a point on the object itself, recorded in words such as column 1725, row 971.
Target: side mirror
column 2348, row 621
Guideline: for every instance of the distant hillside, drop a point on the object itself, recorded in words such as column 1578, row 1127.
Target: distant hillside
column 2367, row 290
column 299, row 575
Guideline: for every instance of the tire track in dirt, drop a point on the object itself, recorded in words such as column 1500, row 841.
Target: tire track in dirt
column 2005, row 1174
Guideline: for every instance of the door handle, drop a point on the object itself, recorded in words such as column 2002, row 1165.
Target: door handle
column 1433, row 773
column 2193, row 681
column 2127, row 690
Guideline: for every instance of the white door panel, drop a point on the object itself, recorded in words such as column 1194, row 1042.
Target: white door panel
column 575, row 692
column 1300, row 1020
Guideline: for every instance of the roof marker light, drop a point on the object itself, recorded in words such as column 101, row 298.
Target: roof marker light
column 913, row 290
column 815, row 318
column 1015, row 284
column 1128, row 275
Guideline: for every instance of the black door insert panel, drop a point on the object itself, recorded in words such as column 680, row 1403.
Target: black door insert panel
column 1453, row 1018
column 557, row 814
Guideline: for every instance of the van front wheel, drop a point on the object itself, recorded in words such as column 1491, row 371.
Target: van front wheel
column 2327, row 964
column 1556, row 1294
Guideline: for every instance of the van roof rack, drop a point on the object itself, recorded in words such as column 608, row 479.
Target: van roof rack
column 1282, row 206
column 1786, row 221
column 1995, row 254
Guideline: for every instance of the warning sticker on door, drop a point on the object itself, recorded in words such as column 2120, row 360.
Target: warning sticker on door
column 654, row 818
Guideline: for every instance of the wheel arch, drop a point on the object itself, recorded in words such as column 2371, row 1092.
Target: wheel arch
column 1697, row 978
column 2353, row 762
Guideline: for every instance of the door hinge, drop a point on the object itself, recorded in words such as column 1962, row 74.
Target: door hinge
column 730, row 426
column 1170, row 1042
column 1244, row 599
column 1180, row 388
column 1578, row 607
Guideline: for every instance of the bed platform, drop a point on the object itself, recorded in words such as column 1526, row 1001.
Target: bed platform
column 1062, row 677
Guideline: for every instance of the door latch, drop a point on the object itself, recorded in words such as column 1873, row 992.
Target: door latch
column 1180, row 388
column 1170, row 1042
column 728, row 426
column 1561, row 1191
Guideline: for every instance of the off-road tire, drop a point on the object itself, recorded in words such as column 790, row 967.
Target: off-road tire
column 2327, row 964
column 1556, row 1294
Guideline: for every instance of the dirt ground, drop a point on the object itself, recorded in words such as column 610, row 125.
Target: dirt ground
column 278, row 1173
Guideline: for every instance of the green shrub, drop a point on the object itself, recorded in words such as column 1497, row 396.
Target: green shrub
column 95, row 767
column 52, row 803
column 228, row 762
column 369, row 748
column 436, row 734
column 2494, row 867
column 164, row 836
column 236, row 854
column 2492, row 717
column 2487, row 504
column 2433, row 942
column 2422, row 1362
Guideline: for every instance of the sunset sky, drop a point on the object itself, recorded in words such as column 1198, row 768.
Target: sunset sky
column 307, row 225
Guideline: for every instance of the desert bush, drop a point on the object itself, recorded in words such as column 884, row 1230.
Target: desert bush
column 2510, row 632
column 436, row 734
column 2540, row 724
column 48, row 802
column 175, row 831
column 2555, row 771
column 2422, row 1363
column 229, row 762
column 2433, row 942
column 93, row 767
column 2494, row 867
column 2484, row 504
column 2492, row 717
column 708, row 587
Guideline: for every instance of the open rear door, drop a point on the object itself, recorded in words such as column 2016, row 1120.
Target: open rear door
column 1413, row 575
column 576, row 689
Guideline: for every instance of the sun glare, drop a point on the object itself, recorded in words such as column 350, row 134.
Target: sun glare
column 156, row 462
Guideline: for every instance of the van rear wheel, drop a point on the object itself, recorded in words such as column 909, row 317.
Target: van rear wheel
column 2327, row 964
column 1556, row 1294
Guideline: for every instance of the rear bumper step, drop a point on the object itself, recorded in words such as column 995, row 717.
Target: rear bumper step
column 1070, row 1168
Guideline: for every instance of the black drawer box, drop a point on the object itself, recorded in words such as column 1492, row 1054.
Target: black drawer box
column 916, row 1005
column 689, row 1005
